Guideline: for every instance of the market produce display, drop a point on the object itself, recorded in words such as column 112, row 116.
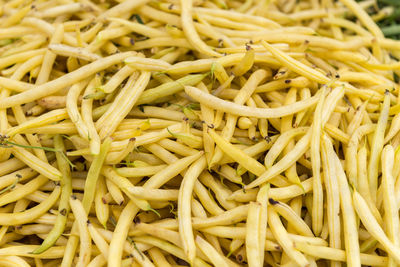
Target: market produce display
column 199, row 133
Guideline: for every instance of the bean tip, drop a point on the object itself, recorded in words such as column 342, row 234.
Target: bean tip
column 272, row 201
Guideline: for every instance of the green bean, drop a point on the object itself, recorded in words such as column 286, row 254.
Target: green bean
column 349, row 216
column 22, row 191
column 63, row 207
column 93, row 175
column 377, row 146
column 318, row 195
column 184, row 208
column 332, row 193
column 102, row 209
column 56, row 252
column 389, row 199
column 166, row 89
column 30, row 214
